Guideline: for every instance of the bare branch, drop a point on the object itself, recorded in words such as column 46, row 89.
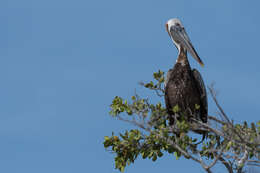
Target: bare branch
column 253, row 164
column 253, row 161
column 217, row 132
column 217, row 157
column 241, row 162
column 158, row 89
column 214, row 97
column 142, row 126
column 217, row 120
column 226, row 164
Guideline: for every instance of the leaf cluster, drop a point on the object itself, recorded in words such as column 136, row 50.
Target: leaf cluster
column 232, row 144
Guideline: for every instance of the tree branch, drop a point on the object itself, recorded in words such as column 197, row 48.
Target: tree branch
column 241, row 162
column 217, row 157
column 226, row 164
column 214, row 97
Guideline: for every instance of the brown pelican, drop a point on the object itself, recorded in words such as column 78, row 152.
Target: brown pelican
column 184, row 86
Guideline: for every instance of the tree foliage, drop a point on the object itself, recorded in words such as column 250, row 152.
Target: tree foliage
column 233, row 145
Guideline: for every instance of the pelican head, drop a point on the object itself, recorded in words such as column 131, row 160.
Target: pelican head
column 180, row 38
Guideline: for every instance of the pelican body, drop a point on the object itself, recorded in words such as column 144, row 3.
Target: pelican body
column 184, row 86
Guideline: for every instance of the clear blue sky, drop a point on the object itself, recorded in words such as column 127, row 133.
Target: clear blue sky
column 63, row 61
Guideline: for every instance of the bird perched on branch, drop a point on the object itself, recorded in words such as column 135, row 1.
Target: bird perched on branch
column 184, row 87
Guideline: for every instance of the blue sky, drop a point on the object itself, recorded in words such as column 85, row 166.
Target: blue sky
column 63, row 61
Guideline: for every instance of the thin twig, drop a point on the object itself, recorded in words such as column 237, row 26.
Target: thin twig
column 133, row 122
column 214, row 97
column 253, row 164
column 175, row 145
column 254, row 161
column 217, row 120
column 217, row 157
column 226, row 164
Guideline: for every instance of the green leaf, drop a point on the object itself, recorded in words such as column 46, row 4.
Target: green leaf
column 224, row 127
column 106, row 138
column 228, row 145
column 251, row 154
column 154, row 157
column 116, row 138
column 176, row 155
column 122, row 169
column 160, row 154
column 161, row 80
column 145, row 155
column 197, row 107
column 176, row 109
column 150, row 155
column 149, row 85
